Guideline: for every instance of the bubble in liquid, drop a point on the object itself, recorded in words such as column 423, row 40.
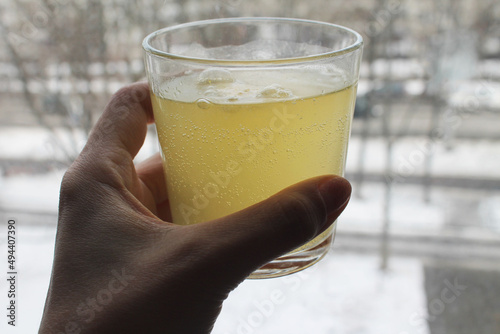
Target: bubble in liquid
column 203, row 104
column 215, row 76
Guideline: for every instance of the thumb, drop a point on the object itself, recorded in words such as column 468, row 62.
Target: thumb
column 248, row 239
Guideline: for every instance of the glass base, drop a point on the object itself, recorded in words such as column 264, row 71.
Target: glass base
column 299, row 259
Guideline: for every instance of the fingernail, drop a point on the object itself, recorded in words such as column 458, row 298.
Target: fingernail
column 335, row 192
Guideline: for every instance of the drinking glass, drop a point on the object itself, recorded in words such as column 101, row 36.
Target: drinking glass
column 245, row 107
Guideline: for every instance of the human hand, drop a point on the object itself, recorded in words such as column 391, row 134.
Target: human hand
column 121, row 267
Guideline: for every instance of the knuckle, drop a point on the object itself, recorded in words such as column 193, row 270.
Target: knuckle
column 80, row 196
column 124, row 93
column 131, row 94
column 78, row 182
column 121, row 99
column 71, row 186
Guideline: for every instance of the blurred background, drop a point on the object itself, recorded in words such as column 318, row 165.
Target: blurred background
column 417, row 249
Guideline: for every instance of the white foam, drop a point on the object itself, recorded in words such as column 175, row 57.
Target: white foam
column 254, row 86
column 274, row 91
column 213, row 76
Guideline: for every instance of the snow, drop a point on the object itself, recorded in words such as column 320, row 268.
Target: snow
column 344, row 293
column 38, row 143
column 398, row 68
column 468, row 158
column 35, row 247
column 409, row 212
column 31, row 192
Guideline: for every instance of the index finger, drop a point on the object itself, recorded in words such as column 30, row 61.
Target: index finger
column 123, row 125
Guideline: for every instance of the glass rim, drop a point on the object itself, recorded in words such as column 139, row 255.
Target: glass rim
column 146, row 44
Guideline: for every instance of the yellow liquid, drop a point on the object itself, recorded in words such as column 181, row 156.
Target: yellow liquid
column 240, row 145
